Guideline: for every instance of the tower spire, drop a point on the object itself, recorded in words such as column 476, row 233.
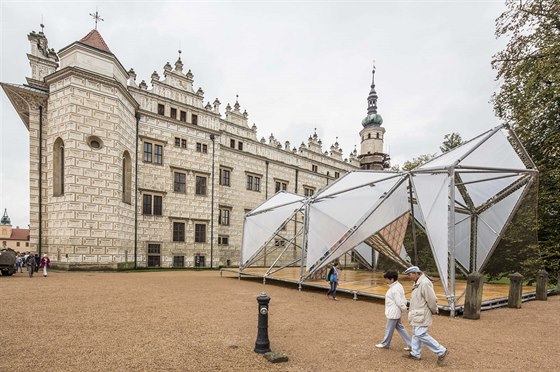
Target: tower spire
column 372, row 97
column 5, row 219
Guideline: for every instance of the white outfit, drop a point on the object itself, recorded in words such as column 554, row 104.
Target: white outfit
column 395, row 304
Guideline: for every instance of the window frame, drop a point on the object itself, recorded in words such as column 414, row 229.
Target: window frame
column 177, row 183
column 197, row 232
column 178, row 234
column 201, row 189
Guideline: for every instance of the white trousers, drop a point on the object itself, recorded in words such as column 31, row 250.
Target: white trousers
column 45, row 270
column 421, row 337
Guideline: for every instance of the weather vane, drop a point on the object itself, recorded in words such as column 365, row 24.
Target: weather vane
column 96, row 17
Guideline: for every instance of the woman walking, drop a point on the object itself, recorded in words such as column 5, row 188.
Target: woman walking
column 395, row 305
column 333, row 279
column 45, row 263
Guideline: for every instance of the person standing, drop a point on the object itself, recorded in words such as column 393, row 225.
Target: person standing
column 395, row 304
column 37, row 262
column 333, row 280
column 423, row 303
column 30, row 265
column 19, row 263
column 45, row 263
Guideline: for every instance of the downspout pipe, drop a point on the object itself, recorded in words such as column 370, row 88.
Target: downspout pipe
column 213, row 138
column 136, row 193
column 40, row 180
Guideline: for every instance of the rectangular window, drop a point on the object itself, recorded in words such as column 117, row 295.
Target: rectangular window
column 223, row 240
column 147, row 152
column 308, row 191
column 257, row 184
column 178, row 261
column 253, row 183
column 17, row 244
column 223, row 218
column 177, row 142
column 158, row 154
column 154, row 255
column 225, row 177
column 200, row 185
column 184, row 143
column 178, row 231
column 27, row 244
column 202, row 147
column 147, row 204
column 158, row 205
column 232, row 143
column 183, row 116
column 240, row 145
column 173, row 113
column 179, row 182
column 336, row 174
column 249, row 182
column 195, row 119
column 281, row 186
column 200, row 233
column 160, row 109
column 199, row 260
column 314, row 168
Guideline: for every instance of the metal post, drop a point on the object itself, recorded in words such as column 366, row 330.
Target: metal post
column 451, row 240
column 262, row 345
column 413, row 219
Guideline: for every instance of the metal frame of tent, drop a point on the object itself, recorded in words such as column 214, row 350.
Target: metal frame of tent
column 457, row 189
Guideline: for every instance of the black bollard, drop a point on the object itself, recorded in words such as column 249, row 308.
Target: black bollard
column 262, row 345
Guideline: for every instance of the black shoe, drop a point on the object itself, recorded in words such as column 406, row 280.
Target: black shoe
column 441, row 358
column 410, row 356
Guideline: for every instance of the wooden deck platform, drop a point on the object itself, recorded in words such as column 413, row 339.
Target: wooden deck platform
column 371, row 284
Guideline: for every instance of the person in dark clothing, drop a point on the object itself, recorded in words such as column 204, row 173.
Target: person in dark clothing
column 333, row 279
column 37, row 262
column 30, row 265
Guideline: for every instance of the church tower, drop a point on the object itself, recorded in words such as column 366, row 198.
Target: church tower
column 371, row 154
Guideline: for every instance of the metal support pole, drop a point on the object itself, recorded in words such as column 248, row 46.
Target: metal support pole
column 451, row 240
column 413, row 220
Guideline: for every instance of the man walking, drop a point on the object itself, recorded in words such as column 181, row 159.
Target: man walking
column 30, row 265
column 423, row 303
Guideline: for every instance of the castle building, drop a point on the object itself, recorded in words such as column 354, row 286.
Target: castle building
column 14, row 238
column 120, row 172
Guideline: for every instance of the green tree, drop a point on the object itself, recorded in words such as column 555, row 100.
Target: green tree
column 529, row 100
column 450, row 141
column 416, row 162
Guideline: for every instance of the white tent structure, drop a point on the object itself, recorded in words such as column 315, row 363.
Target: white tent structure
column 463, row 199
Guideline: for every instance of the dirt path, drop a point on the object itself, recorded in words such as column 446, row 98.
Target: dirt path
column 198, row 321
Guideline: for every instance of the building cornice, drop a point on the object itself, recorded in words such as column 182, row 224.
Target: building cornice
column 71, row 70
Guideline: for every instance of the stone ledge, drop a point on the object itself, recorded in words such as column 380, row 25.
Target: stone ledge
column 83, row 267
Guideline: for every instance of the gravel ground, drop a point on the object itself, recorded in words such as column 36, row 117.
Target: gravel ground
column 198, row 321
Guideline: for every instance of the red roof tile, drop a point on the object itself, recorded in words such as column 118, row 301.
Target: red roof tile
column 20, row 234
column 94, row 39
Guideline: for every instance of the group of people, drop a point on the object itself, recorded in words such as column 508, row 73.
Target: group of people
column 423, row 304
column 32, row 263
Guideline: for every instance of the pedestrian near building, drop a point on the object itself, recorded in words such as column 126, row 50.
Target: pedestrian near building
column 395, row 305
column 19, row 263
column 37, row 262
column 423, row 303
column 333, row 280
column 45, row 263
column 30, row 265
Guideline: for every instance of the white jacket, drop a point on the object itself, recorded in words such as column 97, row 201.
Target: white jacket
column 423, row 303
column 395, row 302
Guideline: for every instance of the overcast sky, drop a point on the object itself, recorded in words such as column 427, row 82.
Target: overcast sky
column 295, row 65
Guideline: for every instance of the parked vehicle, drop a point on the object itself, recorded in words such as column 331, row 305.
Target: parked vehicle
column 7, row 261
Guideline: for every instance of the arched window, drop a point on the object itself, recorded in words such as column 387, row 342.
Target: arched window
column 126, row 178
column 58, row 167
column 377, row 135
column 369, row 135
